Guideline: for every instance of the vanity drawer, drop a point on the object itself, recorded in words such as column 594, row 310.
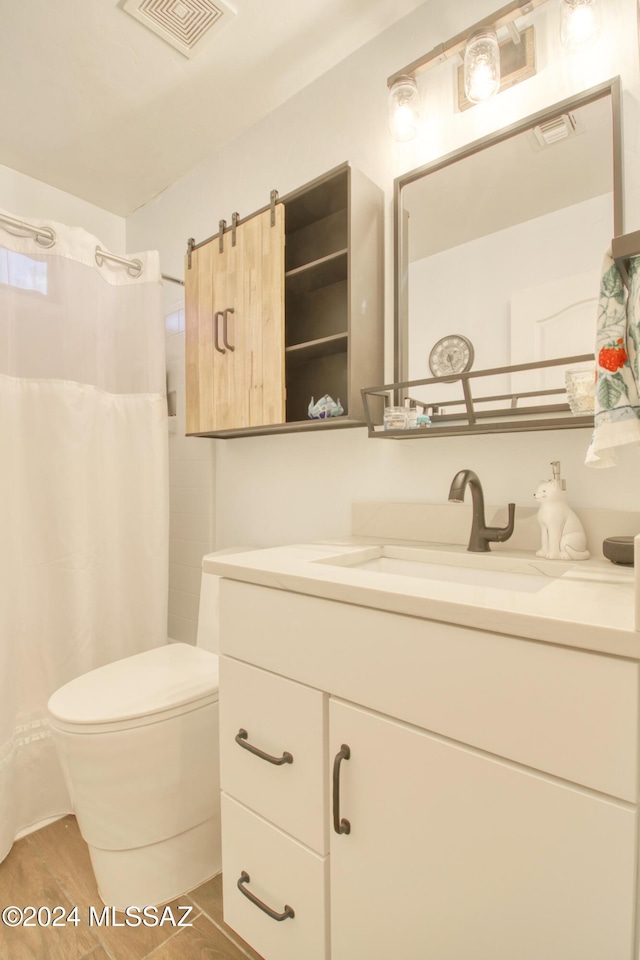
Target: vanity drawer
column 281, row 872
column 567, row 712
column 281, row 719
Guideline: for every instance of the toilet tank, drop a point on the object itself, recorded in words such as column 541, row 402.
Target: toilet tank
column 208, row 636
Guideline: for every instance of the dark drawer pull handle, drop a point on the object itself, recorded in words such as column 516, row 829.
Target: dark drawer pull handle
column 216, row 330
column 225, row 338
column 242, row 741
column 340, row 826
column 286, row 914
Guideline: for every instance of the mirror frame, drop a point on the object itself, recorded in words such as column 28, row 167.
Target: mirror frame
column 610, row 88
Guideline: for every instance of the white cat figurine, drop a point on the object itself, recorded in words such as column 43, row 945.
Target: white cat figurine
column 563, row 536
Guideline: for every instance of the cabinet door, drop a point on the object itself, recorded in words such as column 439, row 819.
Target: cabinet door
column 234, row 308
column 456, row 854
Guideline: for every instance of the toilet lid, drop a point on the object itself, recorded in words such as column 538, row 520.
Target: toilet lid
column 145, row 685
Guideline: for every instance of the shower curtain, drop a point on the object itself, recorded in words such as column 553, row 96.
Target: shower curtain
column 83, row 490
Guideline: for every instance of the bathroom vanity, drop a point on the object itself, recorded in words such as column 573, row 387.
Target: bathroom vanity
column 427, row 754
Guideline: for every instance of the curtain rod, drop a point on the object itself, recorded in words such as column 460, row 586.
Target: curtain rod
column 131, row 265
column 134, row 267
column 42, row 235
column 46, row 237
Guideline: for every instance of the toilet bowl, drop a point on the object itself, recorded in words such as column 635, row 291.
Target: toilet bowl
column 138, row 745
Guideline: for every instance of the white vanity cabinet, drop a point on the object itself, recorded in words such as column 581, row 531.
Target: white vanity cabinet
column 454, row 854
column 272, row 775
column 490, row 786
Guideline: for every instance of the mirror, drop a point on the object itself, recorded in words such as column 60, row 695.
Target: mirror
column 502, row 242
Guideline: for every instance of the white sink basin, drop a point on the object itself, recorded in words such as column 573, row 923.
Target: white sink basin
column 479, row 570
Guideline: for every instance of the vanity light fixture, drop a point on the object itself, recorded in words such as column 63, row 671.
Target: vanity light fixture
column 404, row 108
column 579, row 22
column 482, row 66
column 489, row 65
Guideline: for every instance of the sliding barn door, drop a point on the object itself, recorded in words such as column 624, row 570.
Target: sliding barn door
column 234, row 307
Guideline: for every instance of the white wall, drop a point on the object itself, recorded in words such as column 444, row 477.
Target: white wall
column 191, row 488
column 33, row 200
column 292, row 488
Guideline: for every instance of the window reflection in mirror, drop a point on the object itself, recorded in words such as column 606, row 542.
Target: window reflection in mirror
column 502, row 242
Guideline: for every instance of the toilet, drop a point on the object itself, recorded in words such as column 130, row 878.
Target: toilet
column 138, row 744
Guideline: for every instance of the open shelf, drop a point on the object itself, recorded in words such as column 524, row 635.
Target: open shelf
column 317, row 296
column 513, row 412
column 322, row 312
column 314, row 377
column 317, row 222
column 322, row 272
column 313, row 204
column 312, row 349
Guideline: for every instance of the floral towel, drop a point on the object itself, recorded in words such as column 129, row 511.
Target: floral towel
column 617, row 394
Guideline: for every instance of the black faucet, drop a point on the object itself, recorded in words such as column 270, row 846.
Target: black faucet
column 481, row 536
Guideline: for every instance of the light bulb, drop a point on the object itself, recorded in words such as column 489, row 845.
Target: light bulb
column 404, row 109
column 579, row 22
column 481, row 66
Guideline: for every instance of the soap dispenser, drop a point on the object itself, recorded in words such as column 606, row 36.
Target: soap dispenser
column 563, row 536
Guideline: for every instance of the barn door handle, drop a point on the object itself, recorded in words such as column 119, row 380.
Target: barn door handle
column 241, row 739
column 340, row 826
column 286, row 914
column 225, row 338
column 216, row 330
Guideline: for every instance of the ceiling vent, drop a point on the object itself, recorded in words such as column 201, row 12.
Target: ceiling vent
column 559, row 128
column 187, row 25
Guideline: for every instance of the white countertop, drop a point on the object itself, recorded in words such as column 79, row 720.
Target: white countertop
column 588, row 604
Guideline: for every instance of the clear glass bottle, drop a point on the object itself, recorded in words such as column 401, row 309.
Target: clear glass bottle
column 412, row 414
column 395, row 418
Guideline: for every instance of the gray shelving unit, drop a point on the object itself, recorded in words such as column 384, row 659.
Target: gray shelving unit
column 334, row 293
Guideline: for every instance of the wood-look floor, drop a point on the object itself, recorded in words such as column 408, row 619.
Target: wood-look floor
column 51, row 867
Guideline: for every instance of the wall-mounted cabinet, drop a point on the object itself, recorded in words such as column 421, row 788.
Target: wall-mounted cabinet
column 285, row 306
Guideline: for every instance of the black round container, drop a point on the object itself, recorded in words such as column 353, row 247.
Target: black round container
column 619, row 550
